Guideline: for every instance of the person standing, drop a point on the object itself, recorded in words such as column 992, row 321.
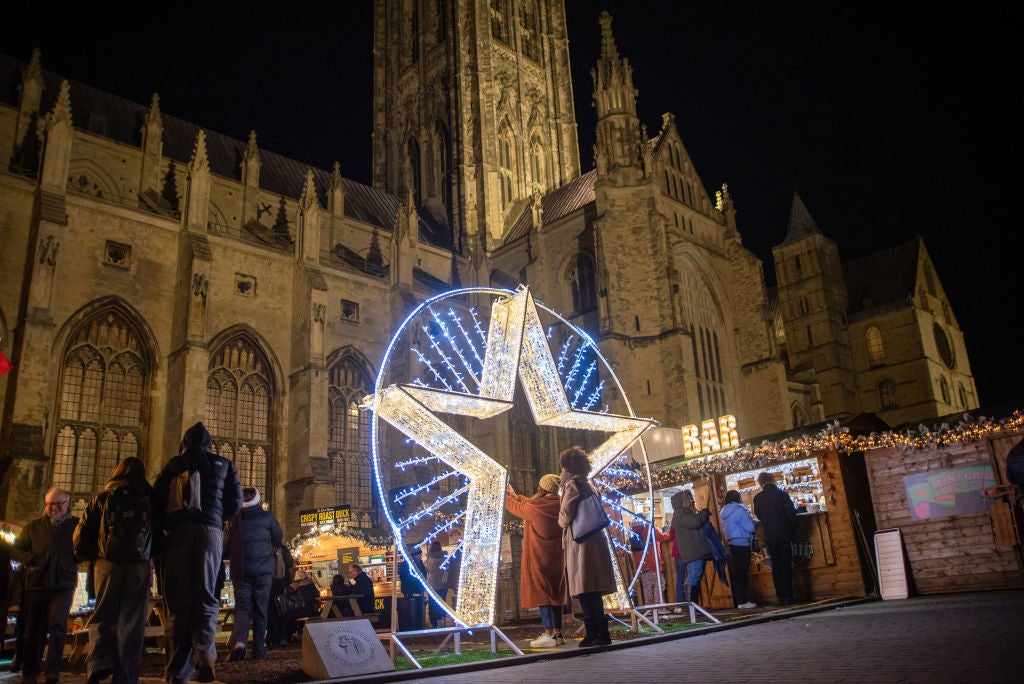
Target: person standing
column 650, row 571
column 775, row 510
column 116, row 532
column 253, row 534
column 436, row 580
column 588, row 563
column 46, row 548
column 191, row 554
column 543, row 562
column 694, row 550
column 739, row 530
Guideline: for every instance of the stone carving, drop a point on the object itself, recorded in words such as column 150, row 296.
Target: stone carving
column 48, row 249
column 319, row 312
column 200, row 285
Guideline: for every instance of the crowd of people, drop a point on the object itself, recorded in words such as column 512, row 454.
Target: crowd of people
column 558, row 570
column 196, row 515
column 180, row 529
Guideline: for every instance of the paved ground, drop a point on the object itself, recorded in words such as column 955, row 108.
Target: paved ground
column 972, row 637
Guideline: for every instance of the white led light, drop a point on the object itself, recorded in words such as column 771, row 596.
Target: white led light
column 515, row 346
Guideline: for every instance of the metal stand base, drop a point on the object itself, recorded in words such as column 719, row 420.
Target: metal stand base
column 658, row 611
column 394, row 640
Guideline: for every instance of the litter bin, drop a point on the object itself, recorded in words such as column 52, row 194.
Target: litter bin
column 381, row 616
column 410, row 612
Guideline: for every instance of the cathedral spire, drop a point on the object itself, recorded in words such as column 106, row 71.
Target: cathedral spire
column 620, row 140
column 801, row 224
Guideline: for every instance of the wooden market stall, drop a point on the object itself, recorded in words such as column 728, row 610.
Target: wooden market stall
column 829, row 485
column 943, row 488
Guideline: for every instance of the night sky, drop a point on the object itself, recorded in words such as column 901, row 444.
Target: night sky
column 888, row 120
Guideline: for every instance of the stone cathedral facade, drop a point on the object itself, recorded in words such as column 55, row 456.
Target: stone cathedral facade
column 155, row 273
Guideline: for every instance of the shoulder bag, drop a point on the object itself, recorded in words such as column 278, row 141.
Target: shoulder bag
column 590, row 517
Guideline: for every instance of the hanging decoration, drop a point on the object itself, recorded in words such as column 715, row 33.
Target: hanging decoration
column 834, row 437
column 470, row 373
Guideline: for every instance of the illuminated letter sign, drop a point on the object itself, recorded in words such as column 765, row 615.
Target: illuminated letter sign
column 707, row 438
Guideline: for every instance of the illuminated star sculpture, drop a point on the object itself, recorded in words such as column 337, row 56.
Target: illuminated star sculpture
column 516, row 346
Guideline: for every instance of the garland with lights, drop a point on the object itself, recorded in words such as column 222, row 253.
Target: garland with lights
column 833, row 437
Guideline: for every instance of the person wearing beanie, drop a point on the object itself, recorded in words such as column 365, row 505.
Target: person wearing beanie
column 543, row 565
column 253, row 535
column 303, row 587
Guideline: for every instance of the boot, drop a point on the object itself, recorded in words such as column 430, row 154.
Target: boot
column 591, row 626
column 603, row 638
column 695, row 594
column 686, row 592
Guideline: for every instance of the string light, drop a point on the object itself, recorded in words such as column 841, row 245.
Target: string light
column 833, row 437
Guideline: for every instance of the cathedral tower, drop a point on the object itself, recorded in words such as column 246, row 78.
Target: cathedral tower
column 473, row 109
column 813, row 297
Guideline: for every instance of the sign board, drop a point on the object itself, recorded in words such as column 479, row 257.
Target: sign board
column 327, row 515
column 346, row 557
column 342, row 648
column 950, row 491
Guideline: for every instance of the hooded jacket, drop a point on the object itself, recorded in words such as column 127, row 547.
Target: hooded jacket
column 687, row 524
column 260, row 533
column 220, row 491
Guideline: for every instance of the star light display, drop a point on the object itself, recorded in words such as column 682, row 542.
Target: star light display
column 472, row 373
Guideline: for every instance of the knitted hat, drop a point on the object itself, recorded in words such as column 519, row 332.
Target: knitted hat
column 250, row 496
column 550, row 483
column 301, row 575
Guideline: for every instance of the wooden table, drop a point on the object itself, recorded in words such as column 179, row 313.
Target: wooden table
column 330, row 607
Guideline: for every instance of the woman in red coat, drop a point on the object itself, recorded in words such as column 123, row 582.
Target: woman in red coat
column 543, row 568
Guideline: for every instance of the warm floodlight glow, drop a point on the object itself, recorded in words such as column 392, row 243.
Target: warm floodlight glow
column 515, row 346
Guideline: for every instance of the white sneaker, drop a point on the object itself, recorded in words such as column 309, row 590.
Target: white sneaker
column 677, row 610
column 544, row 641
column 747, row 606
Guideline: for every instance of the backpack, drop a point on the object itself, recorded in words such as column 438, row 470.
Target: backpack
column 183, row 495
column 636, row 541
column 126, row 525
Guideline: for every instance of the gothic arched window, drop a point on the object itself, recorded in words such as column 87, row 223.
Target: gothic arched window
column 239, row 414
column 538, row 167
column 102, row 405
column 348, row 442
column 876, row 352
column 506, row 167
column 583, row 283
column 414, row 170
column 887, row 394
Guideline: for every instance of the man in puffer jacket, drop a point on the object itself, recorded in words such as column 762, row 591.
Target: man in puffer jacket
column 253, row 534
column 190, row 558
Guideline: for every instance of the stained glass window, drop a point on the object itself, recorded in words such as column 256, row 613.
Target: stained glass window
column 103, row 385
column 238, row 410
column 349, row 435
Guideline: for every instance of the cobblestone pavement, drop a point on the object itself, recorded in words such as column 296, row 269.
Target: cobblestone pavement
column 969, row 637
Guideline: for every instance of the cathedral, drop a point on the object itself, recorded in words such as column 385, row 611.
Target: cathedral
column 155, row 273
